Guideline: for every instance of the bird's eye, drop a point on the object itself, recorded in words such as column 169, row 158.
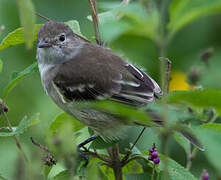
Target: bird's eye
column 62, row 37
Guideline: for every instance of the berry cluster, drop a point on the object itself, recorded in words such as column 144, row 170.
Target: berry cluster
column 154, row 155
column 206, row 176
column 5, row 108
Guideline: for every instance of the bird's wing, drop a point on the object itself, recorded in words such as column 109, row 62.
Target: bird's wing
column 88, row 77
column 137, row 88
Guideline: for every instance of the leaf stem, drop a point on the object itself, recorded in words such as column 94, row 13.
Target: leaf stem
column 131, row 148
column 165, row 138
column 5, row 117
column 153, row 172
column 133, row 158
column 190, row 157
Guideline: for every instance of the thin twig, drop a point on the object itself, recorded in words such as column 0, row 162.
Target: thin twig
column 41, row 16
column 95, row 19
column 153, row 172
column 95, row 154
column 39, row 145
column 105, row 164
column 49, row 159
column 11, row 130
column 131, row 148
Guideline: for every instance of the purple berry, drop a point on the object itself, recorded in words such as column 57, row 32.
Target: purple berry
column 206, row 176
column 156, row 160
column 155, row 154
column 5, row 108
column 150, row 157
column 151, row 150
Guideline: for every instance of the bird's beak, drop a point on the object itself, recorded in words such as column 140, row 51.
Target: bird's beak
column 44, row 44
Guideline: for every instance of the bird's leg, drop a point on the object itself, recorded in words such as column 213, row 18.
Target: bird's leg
column 81, row 145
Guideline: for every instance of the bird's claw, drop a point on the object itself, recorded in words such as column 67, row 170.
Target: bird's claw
column 82, row 145
column 83, row 155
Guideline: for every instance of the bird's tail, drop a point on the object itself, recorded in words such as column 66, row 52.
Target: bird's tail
column 185, row 131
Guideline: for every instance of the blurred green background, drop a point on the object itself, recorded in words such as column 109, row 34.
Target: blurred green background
column 28, row 97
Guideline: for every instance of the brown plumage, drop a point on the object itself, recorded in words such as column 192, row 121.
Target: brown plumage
column 75, row 70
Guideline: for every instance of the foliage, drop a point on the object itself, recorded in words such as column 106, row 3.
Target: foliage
column 17, row 76
column 27, row 18
column 194, row 113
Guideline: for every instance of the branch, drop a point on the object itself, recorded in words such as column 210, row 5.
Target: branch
column 39, row 145
column 49, row 159
column 5, row 117
column 94, row 154
column 93, row 5
column 41, row 16
column 116, row 162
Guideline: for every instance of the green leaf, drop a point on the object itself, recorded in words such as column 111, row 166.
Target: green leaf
column 63, row 118
column 132, row 167
column 176, row 171
column 210, row 76
column 23, row 125
column 74, row 25
column 64, row 175
column 107, row 171
column 1, row 65
column 93, row 172
column 47, row 170
column 99, row 143
column 131, row 114
column 17, row 76
column 184, row 12
column 16, row 37
column 141, row 176
column 2, row 178
column 27, row 18
column 210, row 136
column 102, row 174
column 190, row 135
column 197, row 98
column 132, row 18
column 183, row 142
column 104, row 16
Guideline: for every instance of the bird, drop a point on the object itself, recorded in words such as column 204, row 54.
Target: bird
column 75, row 70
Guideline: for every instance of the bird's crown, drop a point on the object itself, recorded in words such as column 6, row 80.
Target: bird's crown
column 52, row 29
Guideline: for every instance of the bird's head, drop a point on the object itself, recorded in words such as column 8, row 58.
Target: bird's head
column 56, row 42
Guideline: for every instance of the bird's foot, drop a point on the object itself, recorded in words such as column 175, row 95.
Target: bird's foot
column 83, row 155
column 82, row 145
